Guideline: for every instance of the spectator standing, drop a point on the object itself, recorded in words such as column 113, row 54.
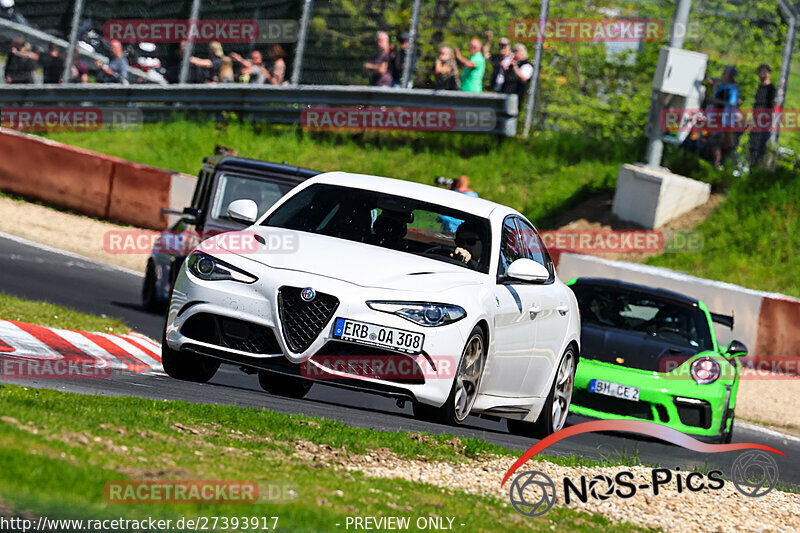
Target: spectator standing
column 399, row 61
column 277, row 60
column 517, row 73
column 253, row 70
column 378, row 68
column 117, row 69
column 52, row 65
column 210, row 67
column 763, row 105
column 725, row 104
column 474, row 67
column 78, row 72
column 446, row 71
column 21, row 62
column 500, row 63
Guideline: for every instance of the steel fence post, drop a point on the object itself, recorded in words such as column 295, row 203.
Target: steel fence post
column 73, row 39
column 188, row 50
column 297, row 64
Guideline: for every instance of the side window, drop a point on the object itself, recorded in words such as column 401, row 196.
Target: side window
column 532, row 243
column 511, row 247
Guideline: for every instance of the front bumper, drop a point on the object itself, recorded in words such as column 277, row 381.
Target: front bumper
column 676, row 400
column 256, row 305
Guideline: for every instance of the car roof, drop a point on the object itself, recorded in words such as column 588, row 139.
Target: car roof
column 410, row 189
column 615, row 283
column 226, row 162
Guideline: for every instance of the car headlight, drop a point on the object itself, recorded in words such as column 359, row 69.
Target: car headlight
column 210, row 268
column 705, row 370
column 424, row 314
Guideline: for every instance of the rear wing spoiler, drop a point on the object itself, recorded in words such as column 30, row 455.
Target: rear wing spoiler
column 725, row 320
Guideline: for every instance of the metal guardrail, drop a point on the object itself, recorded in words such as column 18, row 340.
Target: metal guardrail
column 40, row 38
column 279, row 104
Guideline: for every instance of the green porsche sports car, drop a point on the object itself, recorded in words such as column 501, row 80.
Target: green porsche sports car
column 651, row 354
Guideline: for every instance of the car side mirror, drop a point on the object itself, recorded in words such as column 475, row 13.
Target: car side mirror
column 737, row 348
column 528, row 270
column 191, row 215
column 244, row 211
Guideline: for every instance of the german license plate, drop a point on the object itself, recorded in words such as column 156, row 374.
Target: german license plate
column 375, row 335
column 616, row 390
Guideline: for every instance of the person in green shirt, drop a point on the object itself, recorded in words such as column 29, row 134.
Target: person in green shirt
column 474, row 67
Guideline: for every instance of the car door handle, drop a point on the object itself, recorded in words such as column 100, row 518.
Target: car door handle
column 562, row 309
column 535, row 310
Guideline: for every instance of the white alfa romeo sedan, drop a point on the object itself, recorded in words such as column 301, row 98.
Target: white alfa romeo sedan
column 410, row 291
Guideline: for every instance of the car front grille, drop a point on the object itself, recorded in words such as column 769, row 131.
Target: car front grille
column 303, row 321
column 611, row 405
column 338, row 355
column 231, row 333
column 695, row 413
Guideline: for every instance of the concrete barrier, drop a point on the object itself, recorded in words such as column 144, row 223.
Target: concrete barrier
column 652, row 197
column 87, row 182
column 766, row 322
column 45, row 170
column 138, row 192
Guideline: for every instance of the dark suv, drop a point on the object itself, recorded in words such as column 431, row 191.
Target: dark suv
column 221, row 180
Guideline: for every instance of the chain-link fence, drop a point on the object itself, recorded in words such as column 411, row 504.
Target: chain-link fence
column 600, row 86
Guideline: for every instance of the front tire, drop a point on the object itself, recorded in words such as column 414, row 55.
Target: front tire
column 187, row 367
column 281, row 385
column 556, row 408
column 727, row 437
column 465, row 385
column 150, row 302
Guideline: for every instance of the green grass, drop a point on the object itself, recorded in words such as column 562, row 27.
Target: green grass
column 749, row 241
column 752, row 239
column 56, row 316
column 538, row 178
column 58, row 450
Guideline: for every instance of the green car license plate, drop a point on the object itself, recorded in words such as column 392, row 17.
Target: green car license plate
column 617, row 390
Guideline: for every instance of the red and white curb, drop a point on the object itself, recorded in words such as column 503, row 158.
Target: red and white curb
column 30, row 351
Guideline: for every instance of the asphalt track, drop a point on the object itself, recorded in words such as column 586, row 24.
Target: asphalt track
column 35, row 273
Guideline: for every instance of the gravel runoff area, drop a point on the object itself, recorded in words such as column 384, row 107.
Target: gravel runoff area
column 713, row 511
column 68, row 231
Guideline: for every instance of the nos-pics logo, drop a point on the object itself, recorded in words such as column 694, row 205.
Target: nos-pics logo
column 533, row 493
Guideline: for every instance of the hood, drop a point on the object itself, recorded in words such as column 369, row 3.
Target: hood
column 636, row 349
column 361, row 264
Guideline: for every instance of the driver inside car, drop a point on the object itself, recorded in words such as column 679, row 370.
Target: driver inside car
column 469, row 245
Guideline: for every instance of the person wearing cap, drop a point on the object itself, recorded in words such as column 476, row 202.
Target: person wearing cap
column 763, row 105
column 723, row 108
column 211, row 66
column 500, row 63
column 398, row 60
column 117, row 69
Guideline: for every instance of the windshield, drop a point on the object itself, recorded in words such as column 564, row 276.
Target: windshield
column 393, row 222
column 264, row 193
column 633, row 311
